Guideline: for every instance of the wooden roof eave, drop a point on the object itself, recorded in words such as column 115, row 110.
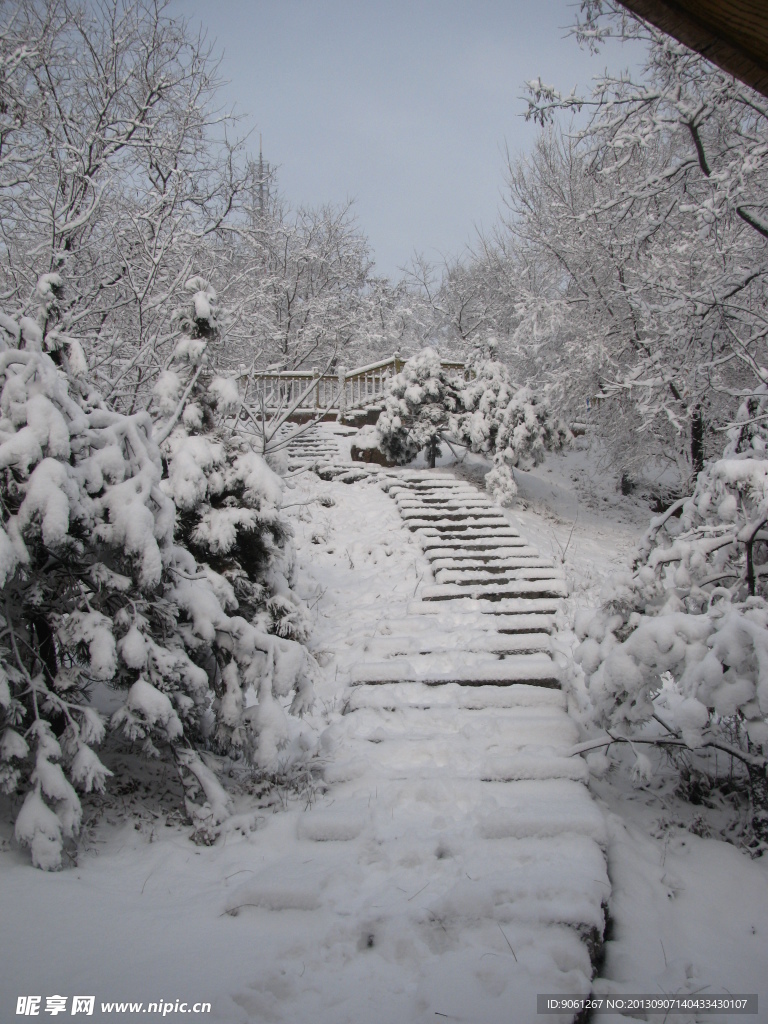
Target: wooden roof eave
column 731, row 33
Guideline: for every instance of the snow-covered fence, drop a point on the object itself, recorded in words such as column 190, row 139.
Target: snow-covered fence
column 345, row 390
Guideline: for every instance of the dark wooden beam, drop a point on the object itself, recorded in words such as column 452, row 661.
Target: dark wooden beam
column 731, row 33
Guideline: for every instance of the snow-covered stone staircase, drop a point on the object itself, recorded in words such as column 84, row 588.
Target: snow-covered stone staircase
column 451, row 772
column 318, row 449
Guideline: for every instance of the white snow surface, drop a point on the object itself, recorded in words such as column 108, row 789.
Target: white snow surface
column 448, row 854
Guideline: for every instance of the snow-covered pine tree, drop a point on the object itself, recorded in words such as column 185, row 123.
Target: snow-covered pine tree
column 418, row 406
column 98, row 596
column 683, row 638
column 512, row 425
column 227, row 498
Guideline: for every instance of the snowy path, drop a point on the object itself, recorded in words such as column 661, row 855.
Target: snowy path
column 449, row 777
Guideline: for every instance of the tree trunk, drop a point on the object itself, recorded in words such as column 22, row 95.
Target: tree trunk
column 758, row 791
column 697, row 440
column 46, row 646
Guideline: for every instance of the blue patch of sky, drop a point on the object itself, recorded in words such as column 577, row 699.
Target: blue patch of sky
column 405, row 106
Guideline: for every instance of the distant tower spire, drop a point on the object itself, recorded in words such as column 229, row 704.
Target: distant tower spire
column 263, row 174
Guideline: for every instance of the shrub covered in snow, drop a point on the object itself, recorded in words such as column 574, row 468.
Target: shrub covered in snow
column 488, row 414
column 508, row 423
column 99, row 592
column 683, row 638
column 420, row 400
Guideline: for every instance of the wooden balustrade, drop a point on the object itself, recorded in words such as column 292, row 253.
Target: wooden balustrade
column 345, row 390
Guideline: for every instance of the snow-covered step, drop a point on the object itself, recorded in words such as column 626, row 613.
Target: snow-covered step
column 425, row 759
column 453, row 696
column 308, row 443
column 453, row 620
column 460, row 504
column 497, row 730
column 458, row 534
column 433, row 477
column 348, row 473
column 544, row 808
column 453, row 517
column 510, row 543
column 548, row 881
column 442, row 494
column 501, row 543
column 455, row 522
column 439, row 486
column 470, row 577
column 497, row 811
column 489, row 566
column 513, row 606
column 496, row 591
column 452, row 520
column 479, row 642
column 509, row 550
column 452, row 501
column 468, row 670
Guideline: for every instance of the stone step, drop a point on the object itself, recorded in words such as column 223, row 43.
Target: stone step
column 524, row 810
column 405, row 500
column 430, row 532
column 409, row 759
column 510, row 543
column 496, row 591
column 471, row 576
column 512, row 606
column 495, row 730
column 349, row 473
column 472, row 642
column 436, row 670
column 459, row 523
column 489, row 564
column 457, row 622
column 450, row 550
column 431, row 476
column 441, row 517
column 399, row 696
column 454, row 505
column 443, row 485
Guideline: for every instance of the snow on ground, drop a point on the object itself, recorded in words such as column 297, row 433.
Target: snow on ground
column 317, row 909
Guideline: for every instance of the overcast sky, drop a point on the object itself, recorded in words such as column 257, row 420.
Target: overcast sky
column 404, row 106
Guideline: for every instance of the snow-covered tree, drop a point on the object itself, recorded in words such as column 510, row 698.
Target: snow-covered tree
column 417, row 410
column 637, row 238
column 227, row 498
column 300, row 280
column 488, row 414
column 510, row 424
column 98, row 592
column 120, row 179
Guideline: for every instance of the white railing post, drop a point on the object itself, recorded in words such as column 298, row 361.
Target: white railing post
column 342, row 392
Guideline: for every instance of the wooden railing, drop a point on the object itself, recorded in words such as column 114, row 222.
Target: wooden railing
column 345, row 391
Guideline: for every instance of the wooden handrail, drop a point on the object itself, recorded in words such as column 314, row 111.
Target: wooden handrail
column 359, row 388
